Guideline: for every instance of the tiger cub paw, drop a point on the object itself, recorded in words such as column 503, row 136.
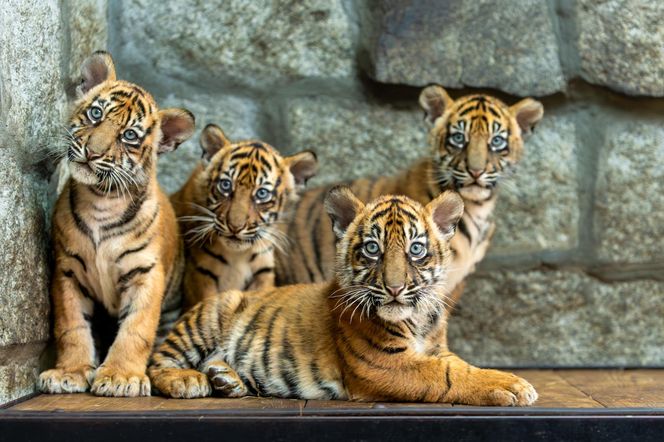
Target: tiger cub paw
column 506, row 390
column 59, row 380
column 120, row 383
column 181, row 383
column 226, row 381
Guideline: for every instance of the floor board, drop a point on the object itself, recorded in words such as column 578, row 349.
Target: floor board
column 558, row 389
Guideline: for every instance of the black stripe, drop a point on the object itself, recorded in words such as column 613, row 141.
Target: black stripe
column 209, row 274
column 463, row 228
column 130, row 213
column 170, row 341
column 216, row 256
column 267, row 344
column 287, row 357
column 134, row 250
column 202, row 352
column 315, row 373
column 73, row 255
column 80, row 224
column 263, row 270
column 127, row 276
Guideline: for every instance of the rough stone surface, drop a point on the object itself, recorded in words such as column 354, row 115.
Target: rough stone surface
column 32, row 97
column 621, row 44
column 538, row 207
column 629, row 202
column 502, row 44
column 353, row 138
column 24, row 301
column 558, row 318
column 241, row 42
column 235, row 115
column 88, row 31
column 19, row 368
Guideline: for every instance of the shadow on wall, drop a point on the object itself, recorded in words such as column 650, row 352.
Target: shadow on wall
column 577, row 260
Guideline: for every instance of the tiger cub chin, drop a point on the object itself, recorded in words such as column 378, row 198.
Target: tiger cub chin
column 230, row 210
column 375, row 332
column 115, row 234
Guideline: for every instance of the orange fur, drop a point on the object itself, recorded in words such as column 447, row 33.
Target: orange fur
column 115, row 235
column 377, row 331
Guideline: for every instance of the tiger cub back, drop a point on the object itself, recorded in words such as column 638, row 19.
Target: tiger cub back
column 376, row 332
column 475, row 142
column 115, row 235
column 231, row 209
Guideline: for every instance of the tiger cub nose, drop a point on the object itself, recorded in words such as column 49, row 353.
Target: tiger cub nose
column 395, row 290
column 475, row 172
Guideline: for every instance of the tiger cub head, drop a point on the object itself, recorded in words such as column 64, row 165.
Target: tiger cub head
column 116, row 129
column 393, row 254
column 477, row 139
column 244, row 189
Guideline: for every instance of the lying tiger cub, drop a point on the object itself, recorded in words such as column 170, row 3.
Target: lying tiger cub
column 230, row 210
column 115, row 234
column 375, row 332
column 475, row 142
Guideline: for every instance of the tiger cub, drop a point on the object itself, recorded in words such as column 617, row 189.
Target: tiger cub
column 115, row 235
column 230, row 210
column 475, row 142
column 376, row 332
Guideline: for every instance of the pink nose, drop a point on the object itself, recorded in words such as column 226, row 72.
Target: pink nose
column 476, row 172
column 394, row 290
column 91, row 156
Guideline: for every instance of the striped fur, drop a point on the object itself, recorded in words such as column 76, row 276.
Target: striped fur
column 377, row 331
column 462, row 158
column 230, row 233
column 115, row 235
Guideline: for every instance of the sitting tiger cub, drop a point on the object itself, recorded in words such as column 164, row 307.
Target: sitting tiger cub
column 375, row 332
column 115, row 234
column 230, row 210
column 475, row 142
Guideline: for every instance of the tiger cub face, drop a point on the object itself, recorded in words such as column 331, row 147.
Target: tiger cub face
column 246, row 187
column 477, row 139
column 116, row 130
column 393, row 254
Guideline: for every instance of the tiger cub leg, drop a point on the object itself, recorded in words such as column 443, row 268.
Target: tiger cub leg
column 76, row 360
column 180, row 383
column 476, row 386
column 224, row 379
column 123, row 371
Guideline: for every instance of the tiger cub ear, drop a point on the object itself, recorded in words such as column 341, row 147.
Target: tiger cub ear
column 342, row 206
column 434, row 100
column 528, row 113
column 303, row 165
column 212, row 141
column 95, row 70
column 445, row 211
column 177, row 126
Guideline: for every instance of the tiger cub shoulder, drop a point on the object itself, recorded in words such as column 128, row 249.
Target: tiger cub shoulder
column 231, row 211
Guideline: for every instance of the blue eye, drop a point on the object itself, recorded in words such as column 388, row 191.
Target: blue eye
column 95, row 113
column 130, row 135
column 225, row 185
column 417, row 250
column 263, row 195
column 498, row 143
column 371, row 249
column 458, row 139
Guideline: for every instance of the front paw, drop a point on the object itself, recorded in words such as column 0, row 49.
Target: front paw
column 226, row 381
column 120, row 383
column 59, row 380
column 506, row 390
column 181, row 383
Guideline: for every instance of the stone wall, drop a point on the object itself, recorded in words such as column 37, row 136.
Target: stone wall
column 575, row 273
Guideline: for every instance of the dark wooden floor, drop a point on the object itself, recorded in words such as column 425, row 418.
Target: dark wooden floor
column 560, row 389
column 573, row 405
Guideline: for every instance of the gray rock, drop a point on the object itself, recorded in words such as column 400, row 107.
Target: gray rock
column 354, row 138
column 558, row 318
column 24, row 300
column 236, row 116
column 240, row 42
column 629, row 203
column 19, row 368
column 88, row 30
column 621, row 44
column 538, row 208
column 503, row 44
